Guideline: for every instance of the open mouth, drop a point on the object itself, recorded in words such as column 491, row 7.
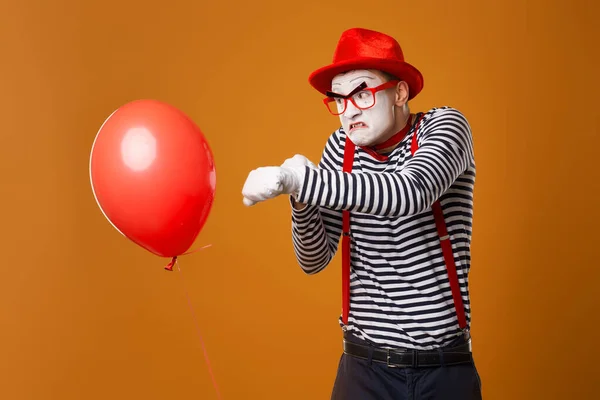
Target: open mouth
column 357, row 125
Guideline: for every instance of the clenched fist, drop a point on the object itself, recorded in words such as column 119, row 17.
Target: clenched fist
column 269, row 182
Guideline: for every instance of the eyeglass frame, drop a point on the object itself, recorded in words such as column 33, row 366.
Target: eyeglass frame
column 362, row 87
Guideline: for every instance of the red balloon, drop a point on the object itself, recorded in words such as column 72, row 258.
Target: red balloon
column 153, row 176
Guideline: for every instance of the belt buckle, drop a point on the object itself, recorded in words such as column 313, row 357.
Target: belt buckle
column 391, row 365
column 388, row 360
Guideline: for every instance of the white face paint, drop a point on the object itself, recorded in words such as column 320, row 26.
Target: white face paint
column 373, row 125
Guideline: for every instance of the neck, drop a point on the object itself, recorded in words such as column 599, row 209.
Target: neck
column 392, row 141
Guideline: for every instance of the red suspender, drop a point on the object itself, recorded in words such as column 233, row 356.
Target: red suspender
column 348, row 161
column 442, row 233
column 440, row 223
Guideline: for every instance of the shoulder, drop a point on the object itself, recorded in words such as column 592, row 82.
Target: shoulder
column 446, row 124
column 437, row 116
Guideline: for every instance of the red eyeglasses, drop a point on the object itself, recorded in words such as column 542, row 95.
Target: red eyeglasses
column 362, row 97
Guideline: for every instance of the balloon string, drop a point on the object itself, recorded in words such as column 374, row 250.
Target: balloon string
column 210, row 371
column 169, row 266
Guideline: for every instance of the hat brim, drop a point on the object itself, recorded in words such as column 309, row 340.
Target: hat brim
column 322, row 77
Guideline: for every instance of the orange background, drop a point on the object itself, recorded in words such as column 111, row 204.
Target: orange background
column 86, row 314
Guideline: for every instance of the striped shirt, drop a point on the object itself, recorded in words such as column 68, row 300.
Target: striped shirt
column 399, row 290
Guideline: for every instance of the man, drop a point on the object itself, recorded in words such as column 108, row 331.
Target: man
column 398, row 188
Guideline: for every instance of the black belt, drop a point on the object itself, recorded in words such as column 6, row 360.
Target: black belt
column 398, row 358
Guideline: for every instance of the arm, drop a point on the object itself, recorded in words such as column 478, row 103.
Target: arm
column 444, row 153
column 316, row 230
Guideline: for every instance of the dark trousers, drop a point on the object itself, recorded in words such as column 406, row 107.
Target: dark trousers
column 359, row 379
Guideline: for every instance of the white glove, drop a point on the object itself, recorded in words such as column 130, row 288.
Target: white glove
column 269, row 182
column 298, row 161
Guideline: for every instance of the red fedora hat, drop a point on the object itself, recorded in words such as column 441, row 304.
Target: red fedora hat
column 360, row 48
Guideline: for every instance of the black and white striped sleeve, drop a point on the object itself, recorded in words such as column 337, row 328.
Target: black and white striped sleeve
column 445, row 152
column 316, row 230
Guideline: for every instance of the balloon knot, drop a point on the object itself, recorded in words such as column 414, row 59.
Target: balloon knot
column 170, row 265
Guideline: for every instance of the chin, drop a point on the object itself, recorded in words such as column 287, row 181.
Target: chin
column 360, row 139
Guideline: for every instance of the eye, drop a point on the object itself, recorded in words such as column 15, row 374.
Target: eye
column 363, row 95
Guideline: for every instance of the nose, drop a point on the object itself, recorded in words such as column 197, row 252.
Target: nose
column 351, row 110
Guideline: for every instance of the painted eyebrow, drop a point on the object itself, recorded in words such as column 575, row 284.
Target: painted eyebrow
column 355, row 90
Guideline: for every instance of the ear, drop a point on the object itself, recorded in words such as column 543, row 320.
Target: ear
column 402, row 93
